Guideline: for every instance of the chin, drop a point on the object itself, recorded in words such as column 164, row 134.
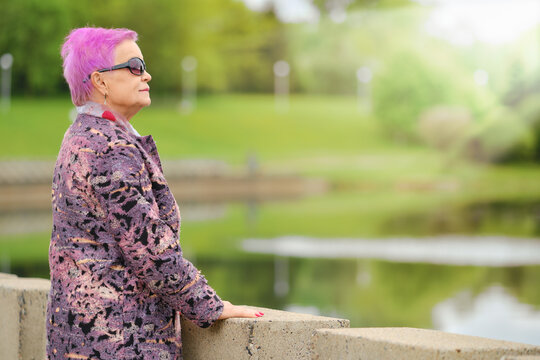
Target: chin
column 146, row 102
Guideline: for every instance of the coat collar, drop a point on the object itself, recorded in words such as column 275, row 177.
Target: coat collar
column 98, row 111
column 104, row 112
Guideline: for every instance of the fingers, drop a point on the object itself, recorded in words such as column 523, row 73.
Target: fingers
column 245, row 312
column 233, row 311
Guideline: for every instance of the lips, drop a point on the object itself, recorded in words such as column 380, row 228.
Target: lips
column 147, row 89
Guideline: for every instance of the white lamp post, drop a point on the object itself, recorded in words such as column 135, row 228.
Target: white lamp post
column 281, row 85
column 364, row 76
column 189, row 84
column 481, row 77
column 6, row 62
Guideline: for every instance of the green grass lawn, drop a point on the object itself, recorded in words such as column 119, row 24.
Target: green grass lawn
column 319, row 136
column 226, row 127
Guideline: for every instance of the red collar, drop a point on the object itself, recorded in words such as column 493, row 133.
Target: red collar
column 108, row 115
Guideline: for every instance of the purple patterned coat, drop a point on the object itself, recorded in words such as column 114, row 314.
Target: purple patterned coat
column 118, row 278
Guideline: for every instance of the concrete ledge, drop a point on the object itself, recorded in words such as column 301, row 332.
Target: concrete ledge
column 276, row 335
column 408, row 343
column 7, row 276
column 23, row 302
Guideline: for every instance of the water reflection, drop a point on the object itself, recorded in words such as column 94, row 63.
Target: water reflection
column 471, row 218
column 351, row 260
column 494, row 314
column 380, row 293
column 449, row 249
column 281, row 276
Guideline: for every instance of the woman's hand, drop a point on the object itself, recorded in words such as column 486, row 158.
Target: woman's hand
column 233, row 311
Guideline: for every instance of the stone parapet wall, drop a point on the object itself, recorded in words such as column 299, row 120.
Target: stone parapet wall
column 277, row 335
column 410, row 343
column 22, row 317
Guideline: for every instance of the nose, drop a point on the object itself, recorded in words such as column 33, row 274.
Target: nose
column 146, row 77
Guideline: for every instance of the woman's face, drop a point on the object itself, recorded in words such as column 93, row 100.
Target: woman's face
column 127, row 93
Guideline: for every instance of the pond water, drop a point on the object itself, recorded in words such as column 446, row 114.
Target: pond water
column 464, row 267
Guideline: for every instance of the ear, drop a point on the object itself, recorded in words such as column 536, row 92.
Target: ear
column 98, row 80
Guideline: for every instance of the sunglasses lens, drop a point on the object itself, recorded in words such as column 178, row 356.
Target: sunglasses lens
column 136, row 66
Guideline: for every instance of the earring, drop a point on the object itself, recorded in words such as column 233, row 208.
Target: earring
column 105, row 103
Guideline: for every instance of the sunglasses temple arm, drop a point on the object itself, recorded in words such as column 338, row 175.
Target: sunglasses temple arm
column 115, row 67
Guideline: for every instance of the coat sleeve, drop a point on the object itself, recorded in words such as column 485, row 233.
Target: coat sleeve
column 149, row 245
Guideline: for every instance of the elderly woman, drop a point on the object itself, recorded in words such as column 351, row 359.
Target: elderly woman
column 118, row 279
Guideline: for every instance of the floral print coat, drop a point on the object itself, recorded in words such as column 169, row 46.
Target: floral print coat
column 118, row 278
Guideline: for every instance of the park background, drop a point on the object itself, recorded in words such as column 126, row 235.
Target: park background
column 421, row 117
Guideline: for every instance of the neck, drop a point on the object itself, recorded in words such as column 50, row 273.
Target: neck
column 124, row 113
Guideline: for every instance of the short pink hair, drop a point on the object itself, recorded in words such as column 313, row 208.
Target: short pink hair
column 87, row 50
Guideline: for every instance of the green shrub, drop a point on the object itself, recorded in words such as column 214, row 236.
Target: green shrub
column 443, row 127
column 409, row 84
column 502, row 137
column 529, row 110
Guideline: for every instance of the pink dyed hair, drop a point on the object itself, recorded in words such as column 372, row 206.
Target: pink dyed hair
column 87, row 50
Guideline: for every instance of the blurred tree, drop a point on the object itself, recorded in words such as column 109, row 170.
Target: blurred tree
column 32, row 31
column 509, row 130
column 327, row 55
column 501, row 137
column 529, row 110
column 225, row 37
column 235, row 48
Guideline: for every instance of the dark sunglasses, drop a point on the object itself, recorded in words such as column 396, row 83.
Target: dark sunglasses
column 135, row 65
